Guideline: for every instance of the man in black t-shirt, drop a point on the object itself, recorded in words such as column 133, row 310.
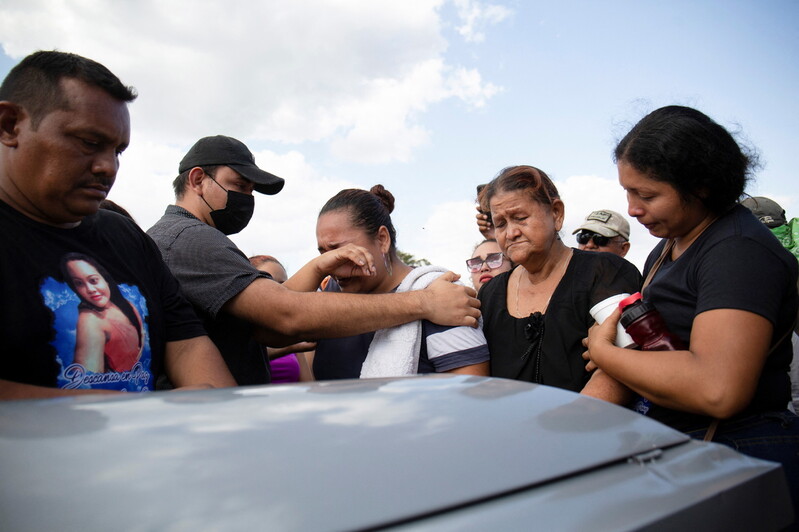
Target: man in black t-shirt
column 87, row 305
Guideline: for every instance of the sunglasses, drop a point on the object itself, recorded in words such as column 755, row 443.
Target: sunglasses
column 584, row 236
column 493, row 260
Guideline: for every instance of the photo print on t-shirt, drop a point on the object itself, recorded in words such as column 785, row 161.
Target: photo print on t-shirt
column 101, row 334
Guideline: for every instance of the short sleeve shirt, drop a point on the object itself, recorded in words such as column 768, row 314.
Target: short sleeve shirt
column 40, row 313
column 212, row 270
column 736, row 263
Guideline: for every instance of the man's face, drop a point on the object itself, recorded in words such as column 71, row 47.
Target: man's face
column 226, row 179
column 590, row 241
column 61, row 171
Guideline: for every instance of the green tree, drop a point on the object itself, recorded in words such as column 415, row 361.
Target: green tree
column 410, row 260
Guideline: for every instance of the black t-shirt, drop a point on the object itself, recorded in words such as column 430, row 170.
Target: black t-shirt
column 736, row 263
column 136, row 305
column 341, row 358
column 589, row 278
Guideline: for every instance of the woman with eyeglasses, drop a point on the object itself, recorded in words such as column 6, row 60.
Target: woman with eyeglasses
column 535, row 316
column 721, row 282
column 487, row 262
column 361, row 220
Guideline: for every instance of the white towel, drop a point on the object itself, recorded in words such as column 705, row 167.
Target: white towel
column 394, row 352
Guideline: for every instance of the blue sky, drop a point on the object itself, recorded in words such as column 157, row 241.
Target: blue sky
column 429, row 98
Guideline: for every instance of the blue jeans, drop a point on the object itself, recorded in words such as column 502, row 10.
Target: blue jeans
column 771, row 436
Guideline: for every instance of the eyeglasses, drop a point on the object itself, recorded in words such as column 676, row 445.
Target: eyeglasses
column 599, row 240
column 493, row 260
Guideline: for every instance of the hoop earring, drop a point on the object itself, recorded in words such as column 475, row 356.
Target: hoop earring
column 387, row 263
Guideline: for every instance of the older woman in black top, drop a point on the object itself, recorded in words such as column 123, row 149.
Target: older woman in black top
column 536, row 315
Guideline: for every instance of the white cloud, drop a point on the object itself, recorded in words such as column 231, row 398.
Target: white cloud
column 144, row 183
column 357, row 74
column 475, row 16
column 353, row 77
column 583, row 194
column 468, row 85
column 446, row 238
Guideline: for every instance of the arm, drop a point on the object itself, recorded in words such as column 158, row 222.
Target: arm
column 716, row 377
column 196, row 362
column 10, row 390
column 282, row 314
column 306, row 375
column 346, row 261
column 603, row 386
column 481, row 370
column 90, row 343
column 309, row 356
column 277, row 352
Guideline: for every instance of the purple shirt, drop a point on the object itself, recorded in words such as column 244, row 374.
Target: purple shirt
column 285, row 369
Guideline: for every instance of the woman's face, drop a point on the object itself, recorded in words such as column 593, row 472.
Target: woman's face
column 485, row 273
column 90, row 285
column 333, row 230
column 657, row 205
column 525, row 229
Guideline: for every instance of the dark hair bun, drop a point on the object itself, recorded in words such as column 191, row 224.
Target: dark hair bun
column 385, row 197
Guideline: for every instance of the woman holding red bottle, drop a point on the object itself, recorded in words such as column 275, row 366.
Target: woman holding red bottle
column 725, row 286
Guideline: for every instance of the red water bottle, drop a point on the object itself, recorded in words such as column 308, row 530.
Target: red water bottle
column 646, row 326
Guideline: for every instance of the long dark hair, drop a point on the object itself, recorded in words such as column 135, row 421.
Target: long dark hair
column 368, row 210
column 688, row 150
column 116, row 295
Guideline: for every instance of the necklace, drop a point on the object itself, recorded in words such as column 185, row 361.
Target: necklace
column 559, row 269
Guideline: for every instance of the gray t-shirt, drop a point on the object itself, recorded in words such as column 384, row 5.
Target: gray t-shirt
column 212, row 270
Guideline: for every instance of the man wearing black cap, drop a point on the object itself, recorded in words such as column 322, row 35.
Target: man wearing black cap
column 241, row 306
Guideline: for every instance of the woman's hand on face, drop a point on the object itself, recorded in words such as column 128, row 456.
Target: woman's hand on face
column 347, row 261
column 599, row 336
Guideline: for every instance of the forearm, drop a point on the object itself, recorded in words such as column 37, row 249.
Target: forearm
column 603, row 386
column 307, row 279
column 196, row 361
column 283, row 316
column 306, row 373
column 349, row 260
column 10, row 390
column 277, row 352
column 481, row 370
column 673, row 379
column 329, row 315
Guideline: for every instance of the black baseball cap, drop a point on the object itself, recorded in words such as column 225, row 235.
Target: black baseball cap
column 227, row 151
